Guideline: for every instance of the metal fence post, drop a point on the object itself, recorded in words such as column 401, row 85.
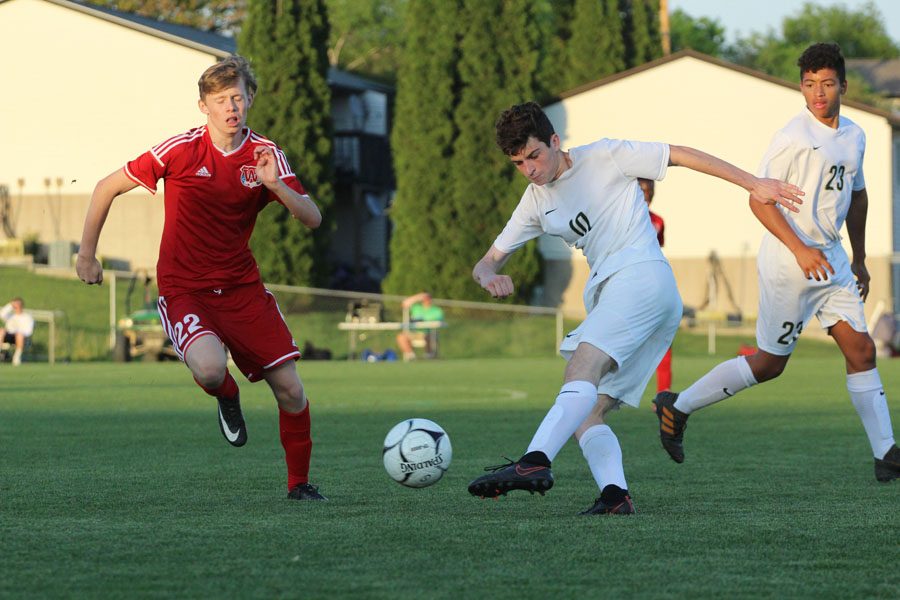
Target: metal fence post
column 112, row 310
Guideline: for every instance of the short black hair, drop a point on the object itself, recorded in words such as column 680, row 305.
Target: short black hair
column 517, row 123
column 824, row 55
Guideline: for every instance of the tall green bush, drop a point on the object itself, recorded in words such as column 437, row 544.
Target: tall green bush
column 286, row 41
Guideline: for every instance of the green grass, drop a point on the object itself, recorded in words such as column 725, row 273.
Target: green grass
column 116, row 483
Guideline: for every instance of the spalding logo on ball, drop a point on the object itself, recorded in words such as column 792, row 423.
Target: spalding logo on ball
column 417, row 452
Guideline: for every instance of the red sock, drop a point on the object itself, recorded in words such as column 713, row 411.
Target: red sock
column 664, row 372
column 297, row 445
column 228, row 389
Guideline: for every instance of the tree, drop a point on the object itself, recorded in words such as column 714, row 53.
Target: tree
column 464, row 62
column 422, row 143
column 641, row 31
column 701, row 34
column 597, row 48
column 555, row 61
column 219, row 16
column 366, row 37
column 497, row 67
column 286, row 42
column 860, row 33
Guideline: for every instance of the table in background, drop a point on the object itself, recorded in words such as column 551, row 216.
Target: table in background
column 353, row 328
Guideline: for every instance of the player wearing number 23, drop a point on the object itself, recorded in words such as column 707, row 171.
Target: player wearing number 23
column 803, row 268
column 218, row 177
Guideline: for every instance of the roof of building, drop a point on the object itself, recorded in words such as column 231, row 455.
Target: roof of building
column 893, row 119
column 205, row 41
column 882, row 74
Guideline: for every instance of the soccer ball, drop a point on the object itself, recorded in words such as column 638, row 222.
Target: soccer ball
column 417, row 452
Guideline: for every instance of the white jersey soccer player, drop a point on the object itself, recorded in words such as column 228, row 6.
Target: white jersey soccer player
column 827, row 162
column 822, row 152
column 598, row 207
column 590, row 197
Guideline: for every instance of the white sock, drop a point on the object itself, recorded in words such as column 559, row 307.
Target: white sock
column 17, row 358
column 572, row 406
column 724, row 381
column 601, row 449
column 868, row 397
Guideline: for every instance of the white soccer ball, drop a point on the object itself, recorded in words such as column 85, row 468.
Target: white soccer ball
column 417, row 452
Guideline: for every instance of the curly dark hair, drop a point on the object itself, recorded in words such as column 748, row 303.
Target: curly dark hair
column 517, row 123
column 825, row 55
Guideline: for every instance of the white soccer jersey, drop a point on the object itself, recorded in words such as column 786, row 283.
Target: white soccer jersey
column 596, row 206
column 827, row 164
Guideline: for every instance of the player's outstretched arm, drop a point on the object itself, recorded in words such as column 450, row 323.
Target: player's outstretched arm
column 87, row 266
column 856, row 231
column 486, row 274
column 765, row 191
column 301, row 206
column 811, row 260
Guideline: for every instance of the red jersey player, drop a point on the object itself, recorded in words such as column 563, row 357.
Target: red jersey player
column 664, row 370
column 218, row 177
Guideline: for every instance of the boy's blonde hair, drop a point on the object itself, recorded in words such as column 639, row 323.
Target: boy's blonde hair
column 226, row 73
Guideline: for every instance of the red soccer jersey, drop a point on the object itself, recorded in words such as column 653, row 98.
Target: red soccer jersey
column 659, row 226
column 212, row 198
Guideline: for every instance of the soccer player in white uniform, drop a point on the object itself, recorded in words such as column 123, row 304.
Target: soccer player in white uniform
column 822, row 152
column 590, row 197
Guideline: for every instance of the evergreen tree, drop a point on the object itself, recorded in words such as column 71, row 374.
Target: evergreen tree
column 597, row 48
column 422, row 145
column 286, row 42
column 498, row 64
column 555, row 62
column 642, row 38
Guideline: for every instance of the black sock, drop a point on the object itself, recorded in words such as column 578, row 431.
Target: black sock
column 536, row 458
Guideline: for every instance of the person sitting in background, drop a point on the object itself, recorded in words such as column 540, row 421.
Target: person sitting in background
column 420, row 308
column 17, row 328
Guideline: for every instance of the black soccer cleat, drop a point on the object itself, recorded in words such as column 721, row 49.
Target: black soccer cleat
column 613, row 500
column 888, row 468
column 672, row 423
column 512, row 476
column 305, row 491
column 231, row 421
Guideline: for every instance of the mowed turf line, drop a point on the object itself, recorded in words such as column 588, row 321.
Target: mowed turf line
column 115, row 482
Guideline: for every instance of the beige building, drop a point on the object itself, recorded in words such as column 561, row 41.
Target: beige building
column 88, row 89
column 694, row 100
column 85, row 94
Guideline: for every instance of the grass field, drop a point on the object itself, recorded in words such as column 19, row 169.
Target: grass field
column 117, row 483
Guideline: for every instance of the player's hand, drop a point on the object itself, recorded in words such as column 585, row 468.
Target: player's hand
column 813, row 263
column 499, row 286
column 862, row 278
column 773, row 191
column 266, row 165
column 89, row 270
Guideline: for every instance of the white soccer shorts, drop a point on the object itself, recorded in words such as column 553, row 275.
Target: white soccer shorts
column 634, row 318
column 787, row 300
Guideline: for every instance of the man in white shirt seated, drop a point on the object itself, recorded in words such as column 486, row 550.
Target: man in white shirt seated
column 17, row 328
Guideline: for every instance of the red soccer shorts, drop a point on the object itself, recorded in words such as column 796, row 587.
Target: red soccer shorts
column 245, row 318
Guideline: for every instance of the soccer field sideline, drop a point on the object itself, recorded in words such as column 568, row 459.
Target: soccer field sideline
column 116, row 482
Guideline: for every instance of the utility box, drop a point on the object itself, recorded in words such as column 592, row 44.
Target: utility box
column 59, row 254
